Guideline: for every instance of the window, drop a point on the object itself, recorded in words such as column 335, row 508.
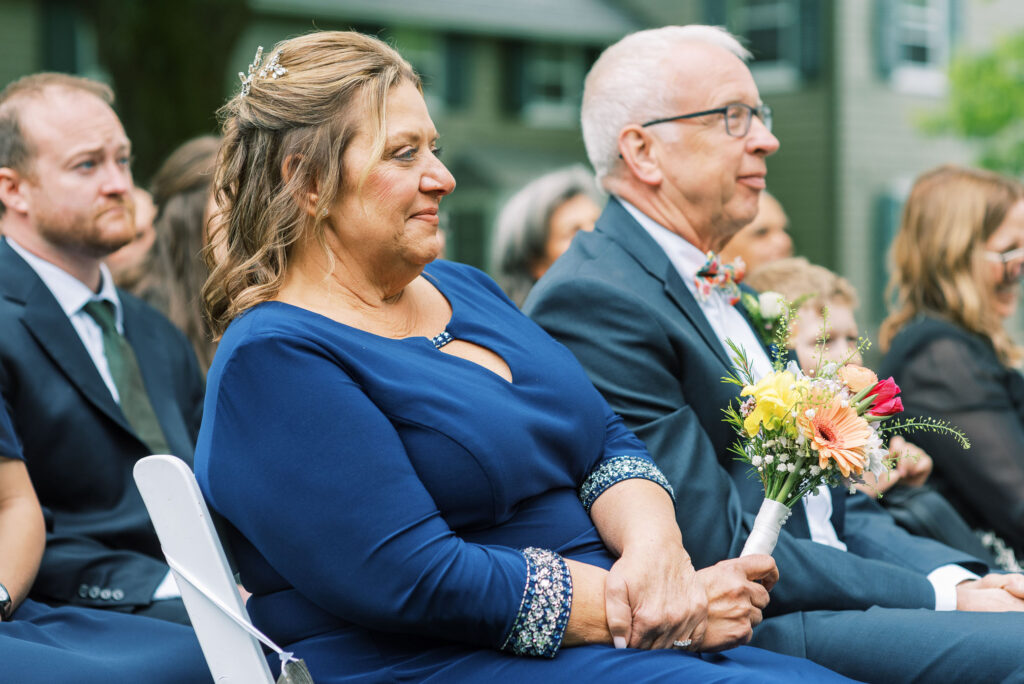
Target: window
column 920, row 37
column 922, row 32
column 426, row 52
column 772, row 33
column 553, row 84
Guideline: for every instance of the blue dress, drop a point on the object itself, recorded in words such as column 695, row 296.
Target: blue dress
column 42, row 645
column 401, row 514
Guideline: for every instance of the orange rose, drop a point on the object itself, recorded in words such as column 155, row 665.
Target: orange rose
column 857, row 377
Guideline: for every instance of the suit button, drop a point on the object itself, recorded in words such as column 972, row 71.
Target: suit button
column 105, row 594
column 117, row 595
column 83, row 590
column 94, row 592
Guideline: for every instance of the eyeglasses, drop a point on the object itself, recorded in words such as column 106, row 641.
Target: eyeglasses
column 1012, row 261
column 737, row 117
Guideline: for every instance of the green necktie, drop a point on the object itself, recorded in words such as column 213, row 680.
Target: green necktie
column 128, row 379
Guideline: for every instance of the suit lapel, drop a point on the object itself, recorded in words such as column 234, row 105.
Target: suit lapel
column 621, row 227
column 53, row 331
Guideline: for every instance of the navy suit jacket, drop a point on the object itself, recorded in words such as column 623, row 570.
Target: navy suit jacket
column 619, row 304
column 101, row 549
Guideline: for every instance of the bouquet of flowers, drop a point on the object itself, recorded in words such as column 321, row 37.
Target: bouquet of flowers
column 800, row 431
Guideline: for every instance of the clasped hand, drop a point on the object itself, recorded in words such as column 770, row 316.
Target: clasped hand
column 992, row 593
column 654, row 597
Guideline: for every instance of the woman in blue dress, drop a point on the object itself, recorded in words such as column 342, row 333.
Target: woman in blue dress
column 424, row 486
column 42, row 645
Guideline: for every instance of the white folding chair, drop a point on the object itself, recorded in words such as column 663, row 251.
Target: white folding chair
column 194, row 552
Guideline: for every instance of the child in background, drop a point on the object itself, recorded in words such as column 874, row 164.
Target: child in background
column 823, row 290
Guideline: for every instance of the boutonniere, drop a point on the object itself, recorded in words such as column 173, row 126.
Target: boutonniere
column 768, row 310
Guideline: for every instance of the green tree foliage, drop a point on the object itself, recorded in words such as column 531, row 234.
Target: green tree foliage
column 168, row 62
column 986, row 102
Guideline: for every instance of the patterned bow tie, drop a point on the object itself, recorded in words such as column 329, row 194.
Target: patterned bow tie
column 714, row 275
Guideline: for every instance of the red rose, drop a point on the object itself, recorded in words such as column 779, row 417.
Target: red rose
column 886, row 402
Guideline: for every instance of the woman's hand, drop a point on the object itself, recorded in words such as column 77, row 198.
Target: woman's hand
column 737, row 592
column 653, row 597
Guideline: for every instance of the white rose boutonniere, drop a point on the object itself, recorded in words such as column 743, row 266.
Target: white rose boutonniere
column 772, row 305
column 768, row 310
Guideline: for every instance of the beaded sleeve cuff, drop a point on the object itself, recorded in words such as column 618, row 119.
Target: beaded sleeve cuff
column 617, row 469
column 544, row 611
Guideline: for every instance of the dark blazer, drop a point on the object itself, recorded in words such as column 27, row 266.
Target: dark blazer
column 101, row 549
column 619, row 304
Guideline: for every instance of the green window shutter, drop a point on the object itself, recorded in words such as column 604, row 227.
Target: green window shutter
column 458, row 70
column 888, row 212
column 715, row 12
column 810, row 31
column 513, row 68
column 60, row 37
column 885, row 37
column 956, row 24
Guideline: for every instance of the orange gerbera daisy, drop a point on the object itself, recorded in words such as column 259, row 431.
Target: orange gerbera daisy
column 836, row 432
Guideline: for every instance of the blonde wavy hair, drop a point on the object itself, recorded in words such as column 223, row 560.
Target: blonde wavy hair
column 938, row 262
column 283, row 143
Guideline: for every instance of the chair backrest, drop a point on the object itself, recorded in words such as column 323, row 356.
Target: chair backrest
column 188, row 539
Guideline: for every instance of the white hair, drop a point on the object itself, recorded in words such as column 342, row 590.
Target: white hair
column 524, row 225
column 627, row 85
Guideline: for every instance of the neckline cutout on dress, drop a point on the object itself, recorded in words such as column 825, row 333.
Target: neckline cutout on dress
column 444, row 338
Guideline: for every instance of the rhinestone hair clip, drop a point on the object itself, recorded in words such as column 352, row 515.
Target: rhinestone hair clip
column 271, row 69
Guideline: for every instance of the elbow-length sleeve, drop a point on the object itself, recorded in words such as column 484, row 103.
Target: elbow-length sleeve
column 316, row 478
column 950, row 379
column 625, row 458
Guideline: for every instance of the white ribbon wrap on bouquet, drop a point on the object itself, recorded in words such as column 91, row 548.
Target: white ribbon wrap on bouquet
column 766, row 530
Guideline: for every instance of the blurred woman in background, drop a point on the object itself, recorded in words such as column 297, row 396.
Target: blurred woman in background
column 176, row 269
column 129, row 264
column 956, row 269
column 537, row 225
column 763, row 240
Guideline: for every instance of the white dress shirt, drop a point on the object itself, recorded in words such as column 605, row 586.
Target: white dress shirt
column 729, row 324
column 72, row 295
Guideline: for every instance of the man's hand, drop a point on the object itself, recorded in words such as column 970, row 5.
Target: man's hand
column 992, row 593
column 737, row 592
column 652, row 598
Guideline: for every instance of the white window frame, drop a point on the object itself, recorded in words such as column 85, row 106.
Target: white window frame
column 563, row 64
column 932, row 21
column 783, row 74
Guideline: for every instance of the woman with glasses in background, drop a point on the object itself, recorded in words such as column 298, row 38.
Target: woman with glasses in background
column 956, row 266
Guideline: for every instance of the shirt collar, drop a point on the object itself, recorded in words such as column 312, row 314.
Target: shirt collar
column 686, row 257
column 70, row 292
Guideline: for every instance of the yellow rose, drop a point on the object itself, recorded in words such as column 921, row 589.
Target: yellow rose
column 775, row 396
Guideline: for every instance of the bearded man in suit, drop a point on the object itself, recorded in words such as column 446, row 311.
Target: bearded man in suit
column 93, row 378
column 679, row 137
